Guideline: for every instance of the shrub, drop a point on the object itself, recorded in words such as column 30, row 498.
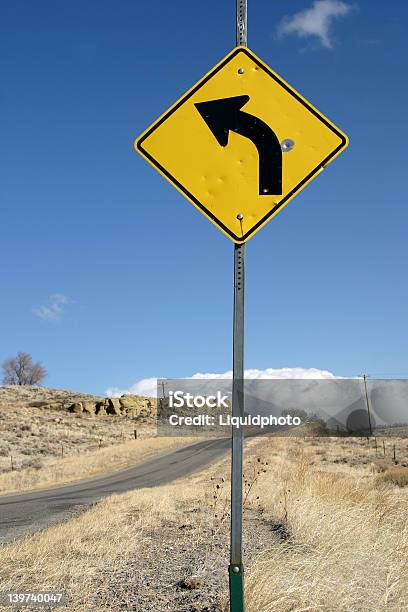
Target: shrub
column 397, row 476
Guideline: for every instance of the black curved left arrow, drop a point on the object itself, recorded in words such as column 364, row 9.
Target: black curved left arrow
column 225, row 115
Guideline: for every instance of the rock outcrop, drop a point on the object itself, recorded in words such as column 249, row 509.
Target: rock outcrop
column 130, row 406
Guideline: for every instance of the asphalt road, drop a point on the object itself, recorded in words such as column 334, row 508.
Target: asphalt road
column 26, row 513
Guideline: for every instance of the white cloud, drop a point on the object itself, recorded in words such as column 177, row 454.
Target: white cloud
column 147, row 386
column 315, row 21
column 54, row 311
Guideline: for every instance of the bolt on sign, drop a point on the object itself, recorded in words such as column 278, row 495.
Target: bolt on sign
column 240, row 144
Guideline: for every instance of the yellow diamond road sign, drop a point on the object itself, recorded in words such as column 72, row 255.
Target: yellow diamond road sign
column 240, row 144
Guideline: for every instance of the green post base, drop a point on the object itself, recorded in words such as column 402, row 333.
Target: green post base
column 236, row 587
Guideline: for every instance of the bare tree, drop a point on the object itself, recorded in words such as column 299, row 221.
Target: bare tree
column 21, row 370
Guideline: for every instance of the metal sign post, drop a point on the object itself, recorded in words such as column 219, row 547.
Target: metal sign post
column 236, row 568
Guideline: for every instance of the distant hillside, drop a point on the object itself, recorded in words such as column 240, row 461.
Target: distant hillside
column 45, row 398
column 39, row 422
column 37, row 397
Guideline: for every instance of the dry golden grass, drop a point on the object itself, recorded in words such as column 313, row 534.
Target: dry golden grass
column 68, row 556
column 348, row 540
column 342, row 544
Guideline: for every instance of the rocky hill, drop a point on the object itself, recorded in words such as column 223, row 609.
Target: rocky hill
column 44, row 398
column 37, row 423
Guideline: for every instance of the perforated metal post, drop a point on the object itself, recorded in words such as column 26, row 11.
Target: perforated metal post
column 236, row 568
column 242, row 14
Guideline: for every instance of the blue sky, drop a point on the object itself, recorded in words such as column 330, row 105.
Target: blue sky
column 109, row 276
